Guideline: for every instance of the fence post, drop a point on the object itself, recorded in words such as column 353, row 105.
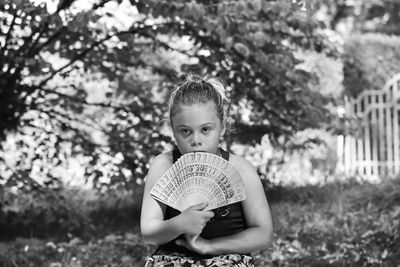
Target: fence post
column 375, row 148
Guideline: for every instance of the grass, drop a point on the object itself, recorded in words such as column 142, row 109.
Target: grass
column 337, row 224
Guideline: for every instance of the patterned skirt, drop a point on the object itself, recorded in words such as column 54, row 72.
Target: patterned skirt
column 175, row 260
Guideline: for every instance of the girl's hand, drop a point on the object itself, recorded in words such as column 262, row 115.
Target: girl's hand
column 193, row 219
column 195, row 243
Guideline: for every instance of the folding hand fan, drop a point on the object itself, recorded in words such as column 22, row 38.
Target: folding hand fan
column 199, row 177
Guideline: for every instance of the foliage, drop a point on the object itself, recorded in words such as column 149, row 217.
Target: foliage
column 320, row 226
column 328, row 71
column 370, row 60
column 307, row 157
column 345, row 22
column 251, row 48
column 66, row 211
column 385, row 195
column 380, row 16
column 79, row 83
column 38, row 212
column 110, row 250
column 313, row 226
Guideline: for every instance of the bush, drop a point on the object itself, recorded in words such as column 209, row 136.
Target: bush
column 41, row 213
column 60, row 213
column 370, row 60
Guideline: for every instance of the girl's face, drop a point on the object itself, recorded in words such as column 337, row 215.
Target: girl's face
column 197, row 127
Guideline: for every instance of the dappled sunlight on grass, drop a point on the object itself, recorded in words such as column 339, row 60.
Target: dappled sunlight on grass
column 339, row 224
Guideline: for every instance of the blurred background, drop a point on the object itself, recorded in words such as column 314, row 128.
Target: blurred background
column 314, row 89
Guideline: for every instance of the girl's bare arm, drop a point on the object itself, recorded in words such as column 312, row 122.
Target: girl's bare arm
column 154, row 228
column 258, row 217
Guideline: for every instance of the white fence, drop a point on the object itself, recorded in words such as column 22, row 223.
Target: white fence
column 372, row 147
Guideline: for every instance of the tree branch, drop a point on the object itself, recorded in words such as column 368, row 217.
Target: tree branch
column 100, row 147
column 100, row 4
column 30, row 51
column 83, row 101
column 64, row 4
column 74, row 59
column 8, row 34
column 90, row 48
column 52, row 114
column 65, row 116
column 50, row 39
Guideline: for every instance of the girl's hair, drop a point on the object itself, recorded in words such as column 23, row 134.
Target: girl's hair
column 196, row 89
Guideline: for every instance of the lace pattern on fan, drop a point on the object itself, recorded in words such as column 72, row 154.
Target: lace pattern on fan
column 199, row 177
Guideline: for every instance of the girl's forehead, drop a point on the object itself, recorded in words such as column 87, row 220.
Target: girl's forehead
column 206, row 105
column 209, row 106
column 199, row 112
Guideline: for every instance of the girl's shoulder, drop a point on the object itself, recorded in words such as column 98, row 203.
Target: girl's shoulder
column 162, row 160
column 245, row 169
column 240, row 163
column 159, row 165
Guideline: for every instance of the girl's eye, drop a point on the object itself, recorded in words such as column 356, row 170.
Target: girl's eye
column 206, row 129
column 185, row 131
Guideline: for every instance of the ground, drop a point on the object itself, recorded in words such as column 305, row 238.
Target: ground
column 336, row 224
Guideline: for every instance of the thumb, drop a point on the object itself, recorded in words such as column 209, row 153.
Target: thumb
column 191, row 238
column 199, row 206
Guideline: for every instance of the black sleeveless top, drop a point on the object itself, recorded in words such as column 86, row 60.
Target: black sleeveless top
column 227, row 220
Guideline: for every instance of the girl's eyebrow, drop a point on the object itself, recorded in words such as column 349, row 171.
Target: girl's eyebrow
column 183, row 126
column 202, row 125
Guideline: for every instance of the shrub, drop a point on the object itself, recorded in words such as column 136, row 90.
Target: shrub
column 370, row 60
column 59, row 213
column 41, row 212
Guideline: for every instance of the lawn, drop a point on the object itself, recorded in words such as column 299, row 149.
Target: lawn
column 337, row 224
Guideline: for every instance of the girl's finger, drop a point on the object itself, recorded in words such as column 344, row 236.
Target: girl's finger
column 200, row 206
column 181, row 242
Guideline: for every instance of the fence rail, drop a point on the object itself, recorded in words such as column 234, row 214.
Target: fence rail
column 372, row 147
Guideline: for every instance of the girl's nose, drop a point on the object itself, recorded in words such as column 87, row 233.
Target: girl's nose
column 195, row 140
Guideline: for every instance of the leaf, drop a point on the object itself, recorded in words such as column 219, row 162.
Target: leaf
column 276, row 26
column 242, row 49
column 267, row 6
column 126, row 259
column 221, row 32
column 367, row 233
column 285, row 8
column 256, row 5
column 193, row 10
column 75, row 241
column 18, row 3
column 260, row 39
column 240, row 8
column 81, row 19
column 289, row 96
column 197, row 10
column 228, row 42
column 51, row 245
column 111, row 238
column 132, row 237
column 210, row 24
column 253, row 26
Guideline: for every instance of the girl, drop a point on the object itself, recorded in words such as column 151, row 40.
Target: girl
column 195, row 237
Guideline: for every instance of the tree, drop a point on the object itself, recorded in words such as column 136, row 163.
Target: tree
column 48, row 57
column 382, row 16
